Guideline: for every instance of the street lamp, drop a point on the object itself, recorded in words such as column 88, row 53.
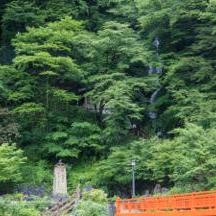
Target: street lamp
column 133, row 164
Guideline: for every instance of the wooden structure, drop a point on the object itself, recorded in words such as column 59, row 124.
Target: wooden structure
column 192, row 204
column 62, row 208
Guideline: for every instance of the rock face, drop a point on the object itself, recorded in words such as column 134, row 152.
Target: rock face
column 157, row 189
column 60, row 180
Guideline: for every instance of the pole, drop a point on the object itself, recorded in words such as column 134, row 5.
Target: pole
column 133, row 163
column 118, row 206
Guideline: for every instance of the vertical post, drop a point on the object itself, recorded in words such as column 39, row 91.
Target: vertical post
column 133, row 163
column 60, row 181
column 118, row 206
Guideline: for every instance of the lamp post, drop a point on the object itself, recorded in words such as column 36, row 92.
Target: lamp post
column 133, row 164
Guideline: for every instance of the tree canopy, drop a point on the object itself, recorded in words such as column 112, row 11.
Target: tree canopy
column 99, row 83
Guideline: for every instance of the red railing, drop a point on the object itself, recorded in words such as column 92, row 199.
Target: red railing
column 193, row 204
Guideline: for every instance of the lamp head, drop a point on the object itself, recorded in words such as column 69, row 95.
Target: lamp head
column 133, row 162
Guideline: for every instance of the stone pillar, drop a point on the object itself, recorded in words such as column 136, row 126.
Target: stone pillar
column 60, row 180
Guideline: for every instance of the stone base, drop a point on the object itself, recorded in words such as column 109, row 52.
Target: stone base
column 60, row 197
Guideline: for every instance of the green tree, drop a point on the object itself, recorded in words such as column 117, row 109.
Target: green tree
column 118, row 86
column 11, row 161
column 194, row 165
column 80, row 140
column 114, row 173
column 45, row 55
column 9, row 129
column 83, row 90
column 18, row 15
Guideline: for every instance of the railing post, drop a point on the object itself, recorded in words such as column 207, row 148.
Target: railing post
column 193, row 201
column 118, row 206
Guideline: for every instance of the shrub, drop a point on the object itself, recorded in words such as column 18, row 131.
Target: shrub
column 15, row 208
column 87, row 208
column 94, row 203
column 95, row 195
column 13, row 205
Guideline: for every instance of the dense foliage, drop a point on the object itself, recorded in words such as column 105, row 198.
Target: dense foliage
column 11, row 160
column 99, row 83
column 16, row 206
column 93, row 203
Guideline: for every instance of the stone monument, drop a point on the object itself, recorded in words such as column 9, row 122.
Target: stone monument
column 60, row 181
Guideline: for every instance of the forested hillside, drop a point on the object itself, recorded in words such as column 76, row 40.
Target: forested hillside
column 97, row 83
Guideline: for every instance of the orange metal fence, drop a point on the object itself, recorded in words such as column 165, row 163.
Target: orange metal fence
column 193, row 204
